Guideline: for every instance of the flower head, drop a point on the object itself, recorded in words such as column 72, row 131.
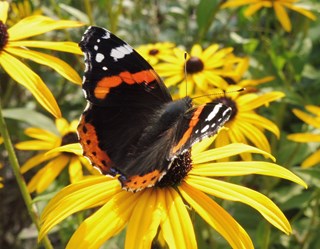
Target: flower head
column 245, row 125
column 58, row 151
column 153, row 52
column 203, row 67
column 279, row 7
column 162, row 210
column 314, row 121
column 13, row 44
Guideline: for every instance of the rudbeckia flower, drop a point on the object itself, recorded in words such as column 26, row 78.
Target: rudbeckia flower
column 58, row 151
column 312, row 120
column 164, row 210
column 13, row 44
column 203, row 68
column 152, row 52
column 245, row 125
column 279, row 7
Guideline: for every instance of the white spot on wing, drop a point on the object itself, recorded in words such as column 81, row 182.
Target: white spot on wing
column 99, row 57
column 214, row 112
column 204, row 129
column 120, row 52
column 104, row 68
column 95, row 47
column 98, row 40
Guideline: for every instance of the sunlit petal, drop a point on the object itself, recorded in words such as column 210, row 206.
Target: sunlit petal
column 311, row 160
column 217, row 217
column 245, row 195
column 75, row 169
column 300, row 10
column 304, row 137
column 309, row 119
column 105, row 223
column 36, row 160
column 58, row 65
column 26, row 77
column 282, row 16
column 69, row 47
column 4, row 6
column 74, row 148
column 37, row 24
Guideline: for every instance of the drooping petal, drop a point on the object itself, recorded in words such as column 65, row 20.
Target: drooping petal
column 36, row 160
column 144, row 222
column 69, row 47
column 227, row 151
column 90, row 192
column 105, row 223
column 26, row 77
column 216, row 217
column 47, row 174
column 300, row 10
column 75, row 169
column 177, row 228
column 61, row 67
column 311, row 160
column 304, row 137
column 282, row 16
column 4, row 6
column 36, row 25
column 309, row 119
column 219, row 169
column 245, row 195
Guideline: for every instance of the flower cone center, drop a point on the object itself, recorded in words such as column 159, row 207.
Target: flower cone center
column 194, row 65
column 4, row 36
column 153, row 51
column 179, row 169
column 69, row 138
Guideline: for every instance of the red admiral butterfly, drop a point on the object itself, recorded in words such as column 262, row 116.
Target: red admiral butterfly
column 131, row 126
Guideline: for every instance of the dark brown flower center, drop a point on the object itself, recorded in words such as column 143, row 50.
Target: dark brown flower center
column 230, row 103
column 194, row 65
column 4, row 36
column 153, row 51
column 177, row 172
column 69, row 138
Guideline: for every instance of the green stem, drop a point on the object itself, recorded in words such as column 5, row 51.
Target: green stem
column 20, row 180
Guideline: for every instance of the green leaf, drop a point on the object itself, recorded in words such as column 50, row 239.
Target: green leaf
column 31, row 117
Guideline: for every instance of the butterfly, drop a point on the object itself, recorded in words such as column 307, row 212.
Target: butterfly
column 131, row 126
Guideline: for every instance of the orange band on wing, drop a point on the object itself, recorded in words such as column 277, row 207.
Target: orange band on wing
column 104, row 85
column 193, row 122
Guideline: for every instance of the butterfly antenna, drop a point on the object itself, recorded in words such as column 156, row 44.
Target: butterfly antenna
column 185, row 71
column 221, row 92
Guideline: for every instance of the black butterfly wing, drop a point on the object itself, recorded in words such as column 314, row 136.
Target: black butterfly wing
column 123, row 92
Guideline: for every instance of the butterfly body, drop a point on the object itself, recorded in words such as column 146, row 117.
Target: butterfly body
column 131, row 126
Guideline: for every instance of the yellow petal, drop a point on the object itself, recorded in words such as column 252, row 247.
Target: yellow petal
column 37, row 24
column 90, row 192
column 105, row 223
column 69, row 47
column 75, row 169
column 35, row 145
column 196, row 50
column 216, row 217
column 35, row 160
column 227, row 151
column 177, row 229
column 144, row 221
column 304, row 137
column 245, row 195
column 4, row 6
column 207, row 53
column 236, row 3
column 245, row 168
column 313, row 109
column 70, row 148
column 62, row 126
column 61, row 67
column 282, row 16
column 250, row 104
column 300, row 10
column 311, row 120
column 311, row 160
column 41, row 134
column 252, row 9
column 26, row 77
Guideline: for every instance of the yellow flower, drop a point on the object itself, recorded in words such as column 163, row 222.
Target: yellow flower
column 59, row 151
column 152, row 52
column 21, row 10
column 279, row 7
column 13, row 44
column 204, row 68
column 312, row 120
column 245, row 125
column 162, row 210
